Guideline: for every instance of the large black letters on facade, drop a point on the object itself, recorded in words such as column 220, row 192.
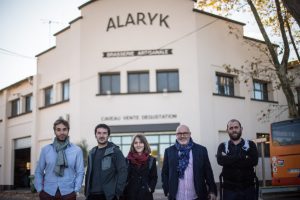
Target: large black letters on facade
column 138, row 19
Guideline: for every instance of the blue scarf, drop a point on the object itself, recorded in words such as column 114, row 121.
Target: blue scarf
column 183, row 157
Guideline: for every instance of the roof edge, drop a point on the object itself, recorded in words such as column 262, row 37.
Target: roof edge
column 76, row 19
column 257, row 40
column 86, row 3
column 16, row 83
column 45, row 51
column 218, row 16
column 62, row 30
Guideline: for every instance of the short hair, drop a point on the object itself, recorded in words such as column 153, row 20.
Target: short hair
column 61, row 121
column 184, row 126
column 143, row 139
column 234, row 120
column 102, row 126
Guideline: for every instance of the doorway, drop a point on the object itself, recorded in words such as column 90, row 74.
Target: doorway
column 22, row 168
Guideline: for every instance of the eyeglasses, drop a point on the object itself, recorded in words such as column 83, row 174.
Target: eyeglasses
column 183, row 134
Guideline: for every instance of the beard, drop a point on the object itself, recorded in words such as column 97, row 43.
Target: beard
column 235, row 136
column 102, row 141
column 61, row 138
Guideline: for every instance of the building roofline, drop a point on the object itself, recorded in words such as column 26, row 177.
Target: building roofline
column 75, row 20
column 219, row 17
column 62, row 30
column 45, row 51
column 86, row 3
column 257, row 40
column 66, row 28
column 16, row 83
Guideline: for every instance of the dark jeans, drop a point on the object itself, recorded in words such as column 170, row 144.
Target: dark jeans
column 240, row 194
column 97, row 197
column 45, row 196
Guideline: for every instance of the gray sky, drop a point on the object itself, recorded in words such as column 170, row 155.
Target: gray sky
column 25, row 32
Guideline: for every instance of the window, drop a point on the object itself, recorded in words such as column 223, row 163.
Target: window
column 138, row 82
column 109, row 83
column 15, row 107
column 167, row 81
column 65, row 90
column 48, row 96
column 28, row 103
column 225, row 84
column 260, row 90
column 266, row 144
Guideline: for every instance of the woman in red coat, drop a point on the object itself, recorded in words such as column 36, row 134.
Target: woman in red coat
column 142, row 171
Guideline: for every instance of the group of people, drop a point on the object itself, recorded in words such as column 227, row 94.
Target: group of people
column 186, row 173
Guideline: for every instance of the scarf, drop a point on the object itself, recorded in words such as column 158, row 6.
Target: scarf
column 183, row 157
column 61, row 159
column 137, row 159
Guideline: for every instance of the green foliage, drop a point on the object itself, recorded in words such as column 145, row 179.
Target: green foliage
column 84, row 147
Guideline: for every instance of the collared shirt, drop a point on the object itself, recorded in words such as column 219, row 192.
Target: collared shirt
column 45, row 178
column 186, row 189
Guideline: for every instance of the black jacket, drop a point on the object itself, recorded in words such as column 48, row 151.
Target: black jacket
column 141, row 181
column 203, row 175
column 238, row 164
column 113, row 171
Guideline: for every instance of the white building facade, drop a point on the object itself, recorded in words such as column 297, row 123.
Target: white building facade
column 140, row 67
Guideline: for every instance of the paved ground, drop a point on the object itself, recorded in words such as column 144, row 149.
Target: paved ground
column 27, row 195
column 158, row 195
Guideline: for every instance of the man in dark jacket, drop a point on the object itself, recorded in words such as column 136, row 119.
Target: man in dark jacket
column 186, row 172
column 238, row 158
column 107, row 170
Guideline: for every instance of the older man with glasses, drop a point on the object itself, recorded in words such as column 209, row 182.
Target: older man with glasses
column 186, row 172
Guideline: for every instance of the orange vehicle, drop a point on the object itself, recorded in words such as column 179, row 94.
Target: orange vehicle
column 285, row 152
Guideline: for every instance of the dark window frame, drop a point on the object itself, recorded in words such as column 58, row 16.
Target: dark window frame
column 263, row 90
column 15, row 107
column 168, row 84
column 111, row 83
column 139, row 89
column 28, row 103
column 63, row 90
column 47, row 98
column 228, row 86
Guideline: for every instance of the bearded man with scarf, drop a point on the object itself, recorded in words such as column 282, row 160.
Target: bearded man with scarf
column 186, row 172
column 60, row 169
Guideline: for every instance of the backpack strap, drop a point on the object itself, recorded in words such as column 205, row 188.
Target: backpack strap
column 226, row 144
column 245, row 147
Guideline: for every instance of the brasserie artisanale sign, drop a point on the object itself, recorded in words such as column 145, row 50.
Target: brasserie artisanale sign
column 149, row 52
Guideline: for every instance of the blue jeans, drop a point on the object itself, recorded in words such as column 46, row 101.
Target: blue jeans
column 240, row 194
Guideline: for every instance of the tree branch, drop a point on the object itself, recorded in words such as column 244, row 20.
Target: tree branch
column 286, row 52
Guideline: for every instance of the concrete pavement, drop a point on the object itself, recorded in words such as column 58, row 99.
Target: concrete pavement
column 158, row 195
column 27, row 195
